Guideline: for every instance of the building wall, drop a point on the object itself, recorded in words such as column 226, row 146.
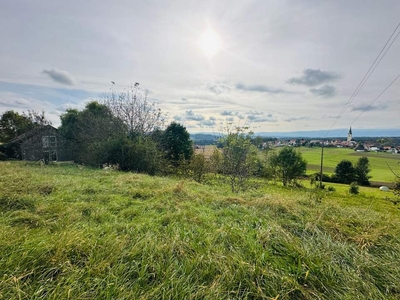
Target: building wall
column 45, row 144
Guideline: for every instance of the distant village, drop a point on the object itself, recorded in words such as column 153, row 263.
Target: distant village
column 359, row 144
column 390, row 145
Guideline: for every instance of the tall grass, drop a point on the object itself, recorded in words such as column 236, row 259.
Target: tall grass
column 79, row 233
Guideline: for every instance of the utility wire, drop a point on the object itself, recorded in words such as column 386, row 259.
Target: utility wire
column 366, row 76
column 365, row 109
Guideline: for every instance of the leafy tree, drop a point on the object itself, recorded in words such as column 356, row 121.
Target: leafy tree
column 361, row 169
column 98, row 137
column 239, row 158
column 12, row 124
column 288, row 165
column 68, row 123
column 176, row 143
column 345, row 172
column 89, row 131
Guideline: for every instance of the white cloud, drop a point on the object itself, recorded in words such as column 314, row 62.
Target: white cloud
column 60, row 76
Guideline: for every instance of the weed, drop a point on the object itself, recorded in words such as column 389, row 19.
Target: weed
column 15, row 202
column 354, row 189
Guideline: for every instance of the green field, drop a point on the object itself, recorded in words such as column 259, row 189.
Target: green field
column 69, row 232
column 332, row 156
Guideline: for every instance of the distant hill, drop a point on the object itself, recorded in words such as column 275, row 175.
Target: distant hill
column 204, row 138
column 390, row 132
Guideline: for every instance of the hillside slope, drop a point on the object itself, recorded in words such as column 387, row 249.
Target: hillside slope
column 69, row 232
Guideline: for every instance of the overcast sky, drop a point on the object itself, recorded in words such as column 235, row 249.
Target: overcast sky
column 273, row 65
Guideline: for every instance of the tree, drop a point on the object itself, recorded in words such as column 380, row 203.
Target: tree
column 239, row 158
column 37, row 118
column 362, row 168
column 140, row 115
column 68, row 123
column 98, row 137
column 12, row 124
column 345, row 172
column 176, row 143
column 90, row 131
column 288, row 165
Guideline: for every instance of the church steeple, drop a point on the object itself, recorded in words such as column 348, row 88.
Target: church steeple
column 349, row 136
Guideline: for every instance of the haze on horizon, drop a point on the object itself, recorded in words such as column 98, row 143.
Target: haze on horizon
column 275, row 66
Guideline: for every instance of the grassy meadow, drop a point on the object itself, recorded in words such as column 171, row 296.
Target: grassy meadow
column 380, row 172
column 332, row 156
column 69, row 232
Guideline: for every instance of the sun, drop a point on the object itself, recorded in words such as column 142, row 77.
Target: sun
column 210, row 42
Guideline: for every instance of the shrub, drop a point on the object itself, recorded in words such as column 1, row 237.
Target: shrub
column 396, row 188
column 239, row 158
column 288, row 165
column 331, row 189
column 354, row 189
column 3, row 157
column 138, row 155
column 199, row 167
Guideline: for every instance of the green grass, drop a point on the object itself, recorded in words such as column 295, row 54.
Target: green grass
column 78, row 233
column 332, row 156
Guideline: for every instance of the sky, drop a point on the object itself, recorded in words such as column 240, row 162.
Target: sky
column 270, row 65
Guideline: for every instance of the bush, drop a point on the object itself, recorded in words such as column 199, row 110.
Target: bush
column 239, row 158
column 138, row 155
column 396, row 188
column 288, row 165
column 315, row 179
column 3, row 157
column 331, row 189
column 199, row 167
column 354, row 189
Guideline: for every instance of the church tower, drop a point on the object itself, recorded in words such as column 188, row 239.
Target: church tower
column 349, row 136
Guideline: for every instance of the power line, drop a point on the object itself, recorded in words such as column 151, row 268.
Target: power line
column 366, row 108
column 371, row 69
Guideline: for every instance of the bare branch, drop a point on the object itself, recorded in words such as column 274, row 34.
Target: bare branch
column 395, row 174
column 137, row 112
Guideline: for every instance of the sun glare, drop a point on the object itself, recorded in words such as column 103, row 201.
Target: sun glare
column 210, row 42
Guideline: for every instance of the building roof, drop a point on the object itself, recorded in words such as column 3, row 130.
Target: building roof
column 30, row 133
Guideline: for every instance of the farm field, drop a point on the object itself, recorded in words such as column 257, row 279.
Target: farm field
column 69, row 232
column 332, row 156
